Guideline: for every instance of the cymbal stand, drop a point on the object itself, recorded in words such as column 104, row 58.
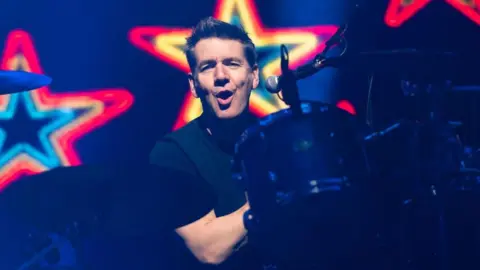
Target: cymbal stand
column 67, row 241
column 434, row 154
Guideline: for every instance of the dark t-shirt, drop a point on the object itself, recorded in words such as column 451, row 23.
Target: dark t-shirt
column 212, row 168
column 194, row 151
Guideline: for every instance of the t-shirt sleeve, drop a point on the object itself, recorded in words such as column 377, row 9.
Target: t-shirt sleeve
column 167, row 154
column 189, row 195
column 186, row 197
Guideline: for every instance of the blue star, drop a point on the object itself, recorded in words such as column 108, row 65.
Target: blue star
column 56, row 119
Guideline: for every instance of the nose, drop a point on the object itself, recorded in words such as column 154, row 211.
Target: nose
column 221, row 76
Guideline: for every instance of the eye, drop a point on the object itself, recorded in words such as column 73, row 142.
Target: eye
column 206, row 67
column 233, row 64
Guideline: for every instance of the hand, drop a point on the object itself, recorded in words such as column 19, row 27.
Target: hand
column 244, row 208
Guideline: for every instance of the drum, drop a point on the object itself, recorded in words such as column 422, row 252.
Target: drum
column 308, row 185
column 462, row 213
column 430, row 217
column 24, row 248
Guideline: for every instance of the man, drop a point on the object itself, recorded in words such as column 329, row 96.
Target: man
column 224, row 71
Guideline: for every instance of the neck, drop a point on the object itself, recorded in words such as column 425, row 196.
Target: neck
column 226, row 132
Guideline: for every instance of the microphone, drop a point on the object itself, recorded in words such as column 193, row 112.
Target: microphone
column 273, row 84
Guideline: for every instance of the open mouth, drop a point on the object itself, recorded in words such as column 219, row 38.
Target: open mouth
column 224, row 98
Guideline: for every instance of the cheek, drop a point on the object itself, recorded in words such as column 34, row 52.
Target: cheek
column 203, row 84
column 244, row 83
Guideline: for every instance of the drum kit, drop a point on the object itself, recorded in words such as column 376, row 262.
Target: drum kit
column 326, row 190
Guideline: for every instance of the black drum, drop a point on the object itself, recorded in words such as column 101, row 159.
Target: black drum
column 24, row 248
column 308, row 184
column 462, row 213
column 430, row 196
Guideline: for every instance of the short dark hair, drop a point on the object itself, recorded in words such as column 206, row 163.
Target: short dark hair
column 213, row 28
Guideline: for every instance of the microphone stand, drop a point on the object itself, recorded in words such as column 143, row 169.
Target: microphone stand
column 260, row 226
column 290, row 94
column 288, row 82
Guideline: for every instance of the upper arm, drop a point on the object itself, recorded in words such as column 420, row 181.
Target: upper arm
column 193, row 231
column 189, row 198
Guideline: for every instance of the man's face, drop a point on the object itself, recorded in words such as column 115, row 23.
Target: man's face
column 223, row 78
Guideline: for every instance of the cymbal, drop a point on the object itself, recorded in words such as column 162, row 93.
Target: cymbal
column 64, row 190
column 19, row 81
column 122, row 199
column 466, row 88
column 408, row 52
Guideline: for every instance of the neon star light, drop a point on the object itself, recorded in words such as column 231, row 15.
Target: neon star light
column 400, row 11
column 304, row 43
column 70, row 116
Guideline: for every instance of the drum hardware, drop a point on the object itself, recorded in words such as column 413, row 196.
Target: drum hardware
column 287, row 82
column 91, row 198
column 95, row 206
column 435, row 153
column 64, row 254
column 381, row 133
column 291, row 165
column 33, row 199
column 69, row 205
column 466, row 88
column 290, row 93
column 431, row 148
column 439, row 158
column 468, row 177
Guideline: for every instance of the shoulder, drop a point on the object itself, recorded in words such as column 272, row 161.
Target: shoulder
column 187, row 131
column 167, row 151
column 163, row 148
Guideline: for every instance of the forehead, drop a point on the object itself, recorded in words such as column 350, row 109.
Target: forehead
column 216, row 48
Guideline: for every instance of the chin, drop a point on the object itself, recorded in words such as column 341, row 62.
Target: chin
column 228, row 113
column 222, row 115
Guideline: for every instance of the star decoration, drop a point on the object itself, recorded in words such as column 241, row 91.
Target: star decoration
column 469, row 8
column 303, row 43
column 68, row 116
column 399, row 11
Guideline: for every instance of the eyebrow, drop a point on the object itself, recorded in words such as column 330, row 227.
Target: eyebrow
column 212, row 61
column 231, row 59
column 205, row 62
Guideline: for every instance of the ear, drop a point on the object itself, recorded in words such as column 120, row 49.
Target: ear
column 193, row 88
column 256, row 78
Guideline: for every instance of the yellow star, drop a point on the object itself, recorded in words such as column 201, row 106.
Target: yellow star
column 304, row 44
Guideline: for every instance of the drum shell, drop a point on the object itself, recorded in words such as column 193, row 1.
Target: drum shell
column 307, row 181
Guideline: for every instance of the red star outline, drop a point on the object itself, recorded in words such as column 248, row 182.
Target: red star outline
column 101, row 107
column 398, row 12
column 144, row 37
